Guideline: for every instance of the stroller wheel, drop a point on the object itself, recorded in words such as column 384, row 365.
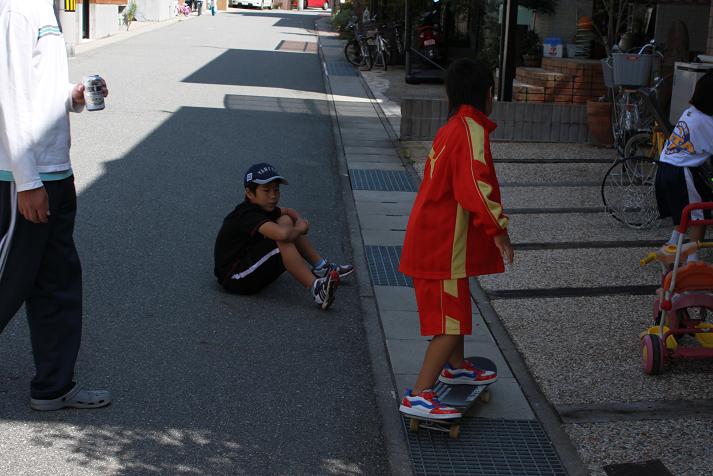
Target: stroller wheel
column 651, row 354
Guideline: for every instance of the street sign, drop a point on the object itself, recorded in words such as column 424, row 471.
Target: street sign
column 70, row 5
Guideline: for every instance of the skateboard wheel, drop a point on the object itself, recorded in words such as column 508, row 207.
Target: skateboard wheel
column 651, row 354
column 485, row 396
column 414, row 425
column 454, row 432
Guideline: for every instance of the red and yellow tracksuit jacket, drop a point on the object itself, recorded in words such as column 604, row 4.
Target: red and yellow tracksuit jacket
column 457, row 211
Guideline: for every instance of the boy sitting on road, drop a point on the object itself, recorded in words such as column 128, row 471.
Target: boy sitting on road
column 456, row 229
column 259, row 241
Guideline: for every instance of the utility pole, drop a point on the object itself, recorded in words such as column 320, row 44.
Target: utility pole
column 507, row 51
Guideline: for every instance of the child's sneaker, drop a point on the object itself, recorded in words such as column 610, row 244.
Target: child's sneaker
column 344, row 270
column 324, row 289
column 426, row 404
column 468, row 374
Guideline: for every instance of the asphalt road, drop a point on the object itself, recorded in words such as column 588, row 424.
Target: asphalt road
column 204, row 382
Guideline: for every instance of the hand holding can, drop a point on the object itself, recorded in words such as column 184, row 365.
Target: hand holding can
column 94, row 89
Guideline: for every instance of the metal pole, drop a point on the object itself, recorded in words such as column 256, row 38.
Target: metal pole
column 507, row 51
column 407, row 39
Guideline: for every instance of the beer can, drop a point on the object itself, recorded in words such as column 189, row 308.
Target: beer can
column 93, row 93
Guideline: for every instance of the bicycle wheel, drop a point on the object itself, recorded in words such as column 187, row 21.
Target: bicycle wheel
column 629, row 194
column 641, row 145
column 353, row 52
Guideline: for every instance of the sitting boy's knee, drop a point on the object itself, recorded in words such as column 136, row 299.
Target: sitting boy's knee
column 285, row 220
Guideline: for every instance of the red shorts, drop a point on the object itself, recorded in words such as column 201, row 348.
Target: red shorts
column 444, row 306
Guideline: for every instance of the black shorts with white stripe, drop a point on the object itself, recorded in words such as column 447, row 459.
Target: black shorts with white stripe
column 262, row 266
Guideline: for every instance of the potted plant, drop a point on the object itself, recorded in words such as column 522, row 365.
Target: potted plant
column 532, row 50
column 130, row 14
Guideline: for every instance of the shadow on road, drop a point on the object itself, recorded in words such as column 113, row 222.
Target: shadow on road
column 206, row 382
column 261, row 68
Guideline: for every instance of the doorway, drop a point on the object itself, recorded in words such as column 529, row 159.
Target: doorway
column 85, row 19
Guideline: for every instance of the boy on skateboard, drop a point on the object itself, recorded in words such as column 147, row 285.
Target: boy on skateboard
column 456, row 229
column 259, row 241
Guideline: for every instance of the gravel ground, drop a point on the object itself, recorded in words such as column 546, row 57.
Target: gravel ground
column 684, row 446
column 574, row 268
column 586, row 350
column 578, row 227
column 542, row 150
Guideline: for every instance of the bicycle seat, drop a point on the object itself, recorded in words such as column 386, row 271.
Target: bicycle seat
column 695, row 276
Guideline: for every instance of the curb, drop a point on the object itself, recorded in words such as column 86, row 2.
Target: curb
column 543, row 410
column 384, row 385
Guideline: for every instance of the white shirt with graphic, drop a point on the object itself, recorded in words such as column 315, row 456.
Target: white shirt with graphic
column 691, row 142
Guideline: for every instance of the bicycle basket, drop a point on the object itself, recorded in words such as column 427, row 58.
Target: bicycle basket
column 608, row 71
column 633, row 69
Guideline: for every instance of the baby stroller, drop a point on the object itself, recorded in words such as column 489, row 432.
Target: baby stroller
column 684, row 302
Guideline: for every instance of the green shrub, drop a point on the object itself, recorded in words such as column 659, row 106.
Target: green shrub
column 342, row 17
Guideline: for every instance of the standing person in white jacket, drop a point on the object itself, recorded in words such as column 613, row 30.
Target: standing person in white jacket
column 39, row 264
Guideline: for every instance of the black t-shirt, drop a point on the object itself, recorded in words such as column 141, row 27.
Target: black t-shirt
column 238, row 236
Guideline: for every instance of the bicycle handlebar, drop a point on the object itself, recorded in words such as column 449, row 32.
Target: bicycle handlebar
column 686, row 216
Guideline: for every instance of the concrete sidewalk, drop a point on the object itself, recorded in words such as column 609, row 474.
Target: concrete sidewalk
column 383, row 189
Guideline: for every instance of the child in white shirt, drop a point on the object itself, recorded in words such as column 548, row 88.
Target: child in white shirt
column 679, row 180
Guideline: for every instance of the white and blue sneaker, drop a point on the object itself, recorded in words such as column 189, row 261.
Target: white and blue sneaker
column 468, row 374
column 344, row 270
column 427, row 405
column 324, row 289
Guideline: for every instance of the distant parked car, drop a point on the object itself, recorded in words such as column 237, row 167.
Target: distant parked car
column 323, row 4
column 252, row 3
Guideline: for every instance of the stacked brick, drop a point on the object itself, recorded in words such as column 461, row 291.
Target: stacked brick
column 560, row 80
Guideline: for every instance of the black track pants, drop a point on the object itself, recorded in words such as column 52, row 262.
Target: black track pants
column 43, row 271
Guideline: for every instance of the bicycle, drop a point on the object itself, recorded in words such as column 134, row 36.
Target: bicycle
column 357, row 48
column 630, row 115
column 628, row 188
column 382, row 49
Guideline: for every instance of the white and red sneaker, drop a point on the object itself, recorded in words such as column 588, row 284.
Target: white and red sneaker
column 426, row 404
column 468, row 374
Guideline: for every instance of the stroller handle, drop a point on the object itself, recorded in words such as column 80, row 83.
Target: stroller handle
column 686, row 216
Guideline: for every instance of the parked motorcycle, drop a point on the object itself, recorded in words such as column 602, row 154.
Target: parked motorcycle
column 429, row 34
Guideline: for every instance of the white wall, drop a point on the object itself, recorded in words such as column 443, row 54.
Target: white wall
column 153, row 10
column 104, row 20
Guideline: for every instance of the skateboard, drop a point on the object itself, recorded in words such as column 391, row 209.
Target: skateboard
column 462, row 397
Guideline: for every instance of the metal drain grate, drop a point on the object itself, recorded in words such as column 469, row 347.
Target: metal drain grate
column 485, row 447
column 338, row 68
column 384, row 266
column 381, row 180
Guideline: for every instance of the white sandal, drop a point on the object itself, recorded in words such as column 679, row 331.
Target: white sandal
column 78, row 397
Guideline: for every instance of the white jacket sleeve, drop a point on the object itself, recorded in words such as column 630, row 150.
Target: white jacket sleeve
column 15, row 98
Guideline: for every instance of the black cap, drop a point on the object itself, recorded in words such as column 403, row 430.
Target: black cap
column 263, row 173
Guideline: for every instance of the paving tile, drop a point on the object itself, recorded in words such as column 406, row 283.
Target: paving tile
column 406, row 355
column 383, row 223
column 387, row 207
column 365, row 150
column 395, row 298
column 406, row 325
column 362, row 158
column 371, row 196
column 372, row 237
column 397, row 166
